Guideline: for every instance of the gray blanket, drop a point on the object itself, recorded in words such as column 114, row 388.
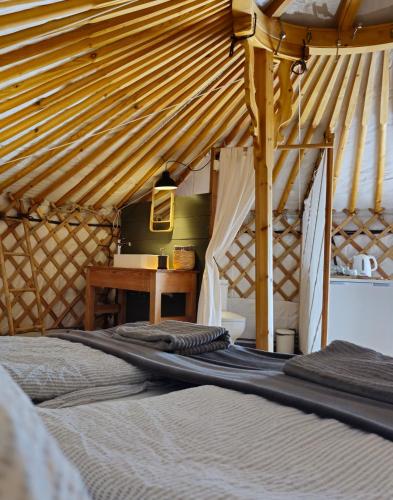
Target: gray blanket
column 249, row 371
column 347, row 367
column 179, row 337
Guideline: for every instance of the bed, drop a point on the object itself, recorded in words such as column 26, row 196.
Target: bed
column 57, row 373
column 245, row 429
column 209, row 443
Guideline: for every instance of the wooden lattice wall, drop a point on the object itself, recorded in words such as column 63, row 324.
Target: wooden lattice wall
column 63, row 244
column 365, row 232
column 238, row 265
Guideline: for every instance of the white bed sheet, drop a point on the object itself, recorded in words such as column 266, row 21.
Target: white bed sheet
column 214, row 443
column 46, row 368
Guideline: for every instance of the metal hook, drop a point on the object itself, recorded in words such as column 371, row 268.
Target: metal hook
column 338, row 45
column 356, row 28
column 282, row 36
column 235, row 39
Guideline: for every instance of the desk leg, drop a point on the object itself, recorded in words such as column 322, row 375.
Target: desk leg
column 191, row 307
column 155, row 301
column 122, row 301
column 89, row 306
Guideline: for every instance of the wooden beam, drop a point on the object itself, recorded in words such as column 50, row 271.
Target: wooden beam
column 92, row 88
column 327, row 244
column 213, row 190
column 53, row 27
column 277, row 8
column 197, row 117
column 346, row 14
column 318, row 145
column 307, row 80
column 37, row 15
column 362, row 134
column 349, row 113
column 323, row 40
column 105, row 86
column 382, row 129
column 124, row 109
column 320, row 102
column 195, row 163
column 124, row 39
column 338, row 102
column 226, row 122
column 159, row 48
column 243, row 17
column 260, row 72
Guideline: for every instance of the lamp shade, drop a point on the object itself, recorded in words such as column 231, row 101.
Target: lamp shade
column 165, row 182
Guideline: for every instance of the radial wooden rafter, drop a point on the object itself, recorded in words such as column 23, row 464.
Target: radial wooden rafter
column 346, row 14
column 95, row 116
column 76, row 80
column 277, row 7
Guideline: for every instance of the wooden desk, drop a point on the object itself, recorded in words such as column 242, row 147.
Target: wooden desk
column 154, row 281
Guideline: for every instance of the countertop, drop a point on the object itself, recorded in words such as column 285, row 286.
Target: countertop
column 351, row 279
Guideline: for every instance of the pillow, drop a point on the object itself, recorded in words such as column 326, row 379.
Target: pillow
column 32, row 466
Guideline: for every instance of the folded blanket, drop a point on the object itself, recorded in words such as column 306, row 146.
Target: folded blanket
column 175, row 336
column 347, row 367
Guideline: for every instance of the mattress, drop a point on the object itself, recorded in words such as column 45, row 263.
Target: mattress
column 215, row 443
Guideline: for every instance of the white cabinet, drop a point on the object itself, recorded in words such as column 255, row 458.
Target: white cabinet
column 361, row 311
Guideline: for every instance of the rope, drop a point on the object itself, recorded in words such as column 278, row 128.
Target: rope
column 104, row 131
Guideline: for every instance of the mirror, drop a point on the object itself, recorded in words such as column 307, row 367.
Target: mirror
column 162, row 211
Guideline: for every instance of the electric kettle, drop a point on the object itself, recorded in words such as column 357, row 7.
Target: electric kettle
column 364, row 264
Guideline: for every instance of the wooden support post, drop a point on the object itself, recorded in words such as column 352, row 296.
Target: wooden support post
column 122, row 302
column 213, row 189
column 155, row 300
column 327, row 245
column 89, row 303
column 263, row 162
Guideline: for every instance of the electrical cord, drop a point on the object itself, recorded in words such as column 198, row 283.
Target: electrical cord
column 187, row 165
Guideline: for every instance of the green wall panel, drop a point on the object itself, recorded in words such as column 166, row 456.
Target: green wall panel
column 191, row 227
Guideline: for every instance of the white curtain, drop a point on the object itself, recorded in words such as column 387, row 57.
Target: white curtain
column 311, row 279
column 235, row 198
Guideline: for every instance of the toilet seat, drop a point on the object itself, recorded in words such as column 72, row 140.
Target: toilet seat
column 234, row 323
column 232, row 317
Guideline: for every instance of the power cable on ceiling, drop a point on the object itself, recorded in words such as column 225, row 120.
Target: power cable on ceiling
column 101, row 132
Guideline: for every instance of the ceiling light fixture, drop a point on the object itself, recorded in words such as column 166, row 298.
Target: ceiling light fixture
column 165, row 182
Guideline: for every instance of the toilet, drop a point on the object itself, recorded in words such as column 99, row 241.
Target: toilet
column 233, row 322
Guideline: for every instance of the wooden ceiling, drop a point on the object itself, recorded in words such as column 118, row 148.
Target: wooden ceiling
column 96, row 95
